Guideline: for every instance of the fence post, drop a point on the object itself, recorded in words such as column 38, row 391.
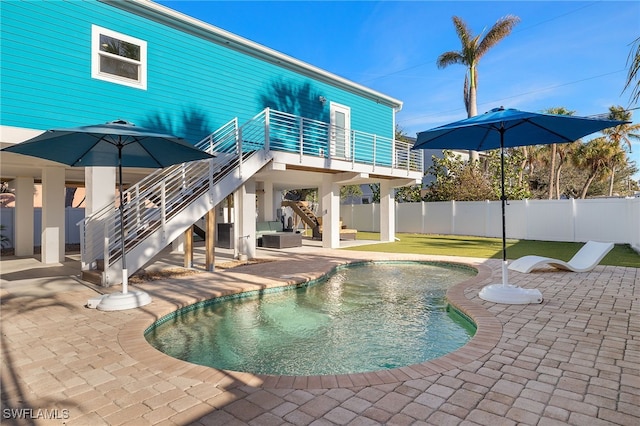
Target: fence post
column 453, row 217
column 574, row 213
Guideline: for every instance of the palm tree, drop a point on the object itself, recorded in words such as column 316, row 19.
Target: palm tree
column 565, row 151
column 618, row 135
column 530, row 159
column 472, row 50
column 553, row 172
column 594, row 157
column 617, row 159
column 624, row 132
column 634, row 66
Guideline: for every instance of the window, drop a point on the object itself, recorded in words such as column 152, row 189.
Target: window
column 118, row 58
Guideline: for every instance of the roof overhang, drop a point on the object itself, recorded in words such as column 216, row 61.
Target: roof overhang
column 188, row 24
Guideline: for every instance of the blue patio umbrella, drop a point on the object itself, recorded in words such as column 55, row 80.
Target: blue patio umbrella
column 114, row 144
column 505, row 128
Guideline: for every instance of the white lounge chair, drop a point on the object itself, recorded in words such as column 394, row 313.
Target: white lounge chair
column 583, row 261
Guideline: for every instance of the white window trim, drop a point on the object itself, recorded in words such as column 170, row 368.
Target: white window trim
column 96, row 31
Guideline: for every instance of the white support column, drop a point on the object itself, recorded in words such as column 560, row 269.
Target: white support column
column 100, row 183
column 23, row 242
column 266, row 209
column 245, row 219
column 330, row 212
column 53, row 220
column 387, row 212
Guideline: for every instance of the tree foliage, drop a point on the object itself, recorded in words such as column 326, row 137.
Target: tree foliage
column 456, row 179
column 472, row 49
column 633, row 62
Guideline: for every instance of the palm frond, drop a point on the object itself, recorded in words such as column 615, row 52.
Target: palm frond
column 633, row 61
column 463, row 31
column 499, row 31
column 449, row 58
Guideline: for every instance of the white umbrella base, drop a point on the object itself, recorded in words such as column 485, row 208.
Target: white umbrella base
column 120, row 301
column 510, row 294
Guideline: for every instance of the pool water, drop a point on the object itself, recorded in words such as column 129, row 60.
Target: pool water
column 361, row 318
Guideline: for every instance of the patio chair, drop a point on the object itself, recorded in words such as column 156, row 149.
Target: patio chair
column 587, row 258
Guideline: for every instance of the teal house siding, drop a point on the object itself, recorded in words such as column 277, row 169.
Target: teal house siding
column 194, row 85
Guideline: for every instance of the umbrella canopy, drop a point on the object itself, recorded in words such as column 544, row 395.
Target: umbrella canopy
column 509, row 128
column 505, row 128
column 114, row 144
column 111, row 144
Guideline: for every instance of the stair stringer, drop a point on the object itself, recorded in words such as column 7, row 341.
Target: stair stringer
column 144, row 251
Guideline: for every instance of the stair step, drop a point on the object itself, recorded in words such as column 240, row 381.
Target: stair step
column 93, row 276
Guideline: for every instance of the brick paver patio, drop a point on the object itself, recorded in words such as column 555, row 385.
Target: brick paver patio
column 574, row 359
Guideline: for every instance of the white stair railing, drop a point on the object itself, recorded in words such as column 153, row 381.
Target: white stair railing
column 165, row 193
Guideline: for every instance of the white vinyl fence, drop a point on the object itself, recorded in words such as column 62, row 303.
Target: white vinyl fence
column 72, row 232
column 610, row 219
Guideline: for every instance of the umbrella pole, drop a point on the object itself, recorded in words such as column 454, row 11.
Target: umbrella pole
column 503, row 199
column 125, row 277
column 505, row 293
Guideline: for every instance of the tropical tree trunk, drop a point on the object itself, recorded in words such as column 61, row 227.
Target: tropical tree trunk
column 69, row 194
column 523, row 164
column 585, row 188
column 558, row 181
column 552, row 170
column 474, row 156
column 611, row 179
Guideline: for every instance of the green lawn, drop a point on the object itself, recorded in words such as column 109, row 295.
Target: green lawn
column 490, row 248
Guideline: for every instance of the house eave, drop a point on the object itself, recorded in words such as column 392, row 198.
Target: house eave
column 178, row 20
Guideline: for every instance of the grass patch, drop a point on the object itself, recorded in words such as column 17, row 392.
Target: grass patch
column 490, row 248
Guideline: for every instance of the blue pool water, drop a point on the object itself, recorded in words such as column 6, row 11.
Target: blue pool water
column 363, row 317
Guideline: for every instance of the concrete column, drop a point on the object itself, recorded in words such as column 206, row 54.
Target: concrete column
column 387, row 212
column 23, row 239
column 100, row 183
column 330, row 212
column 245, row 219
column 266, row 203
column 53, row 215
column 269, row 202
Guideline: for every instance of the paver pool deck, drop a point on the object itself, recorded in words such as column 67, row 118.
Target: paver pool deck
column 573, row 359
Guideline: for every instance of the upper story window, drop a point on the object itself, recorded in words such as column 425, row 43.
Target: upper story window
column 118, row 58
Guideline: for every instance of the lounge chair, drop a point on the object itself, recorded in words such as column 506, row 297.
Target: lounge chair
column 584, row 260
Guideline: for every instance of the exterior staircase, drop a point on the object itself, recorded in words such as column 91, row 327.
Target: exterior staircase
column 163, row 205
column 301, row 208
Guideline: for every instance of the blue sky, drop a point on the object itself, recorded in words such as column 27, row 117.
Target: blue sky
column 570, row 54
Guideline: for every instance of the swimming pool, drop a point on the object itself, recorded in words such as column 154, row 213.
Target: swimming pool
column 363, row 317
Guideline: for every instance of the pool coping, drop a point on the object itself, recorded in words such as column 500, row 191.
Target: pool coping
column 488, row 333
